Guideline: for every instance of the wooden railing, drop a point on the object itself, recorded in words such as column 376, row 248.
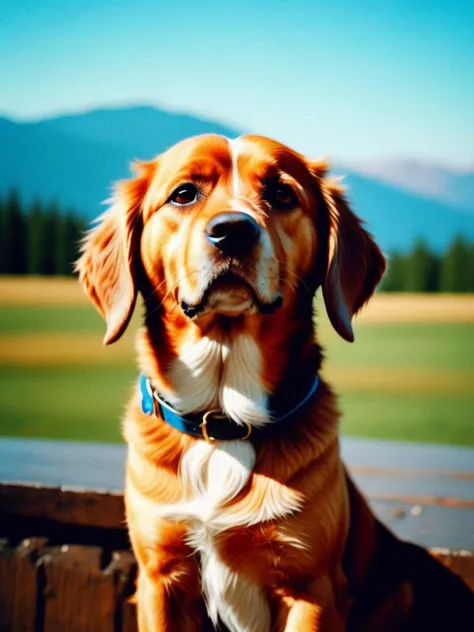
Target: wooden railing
column 65, row 560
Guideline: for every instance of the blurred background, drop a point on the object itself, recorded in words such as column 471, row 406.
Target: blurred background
column 385, row 90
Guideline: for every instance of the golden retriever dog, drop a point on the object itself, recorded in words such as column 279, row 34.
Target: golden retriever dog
column 240, row 511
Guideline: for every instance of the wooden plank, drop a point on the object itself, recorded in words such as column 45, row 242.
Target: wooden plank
column 94, row 466
column 19, row 588
column 442, row 487
column 428, row 525
column 129, row 617
column 123, row 567
column 391, row 474
column 101, row 465
column 399, row 455
column 80, row 597
column 69, row 506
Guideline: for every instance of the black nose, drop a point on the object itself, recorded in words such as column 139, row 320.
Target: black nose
column 233, row 233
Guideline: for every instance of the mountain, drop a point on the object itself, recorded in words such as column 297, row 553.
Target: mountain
column 397, row 218
column 447, row 185
column 43, row 163
column 143, row 131
column 76, row 158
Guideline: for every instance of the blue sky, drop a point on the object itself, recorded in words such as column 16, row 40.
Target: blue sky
column 348, row 79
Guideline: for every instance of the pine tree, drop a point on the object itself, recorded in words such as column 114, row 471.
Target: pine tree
column 3, row 237
column 470, row 269
column 456, row 266
column 75, row 228
column 61, row 266
column 394, row 278
column 48, row 265
column 34, row 237
column 434, row 268
column 422, row 269
column 15, row 260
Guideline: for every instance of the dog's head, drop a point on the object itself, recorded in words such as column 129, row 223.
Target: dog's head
column 229, row 228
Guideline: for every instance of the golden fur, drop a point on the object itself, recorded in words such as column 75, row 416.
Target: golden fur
column 256, row 534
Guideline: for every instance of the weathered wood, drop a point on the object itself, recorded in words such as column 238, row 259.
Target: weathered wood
column 93, row 466
column 69, row 506
column 129, row 617
column 423, row 492
column 64, row 588
column 19, row 589
column 79, row 596
column 428, row 525
column 429, row 487
column 421, row 522
column 410, row 457
column 123, row 567
column 101, row 465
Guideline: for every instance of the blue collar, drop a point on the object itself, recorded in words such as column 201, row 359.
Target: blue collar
column 212, row 425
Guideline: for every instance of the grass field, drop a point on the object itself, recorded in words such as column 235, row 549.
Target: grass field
column 409, row 375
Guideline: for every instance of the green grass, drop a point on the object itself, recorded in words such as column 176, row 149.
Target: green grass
column 86, row 402
column 48, row 319
column 79, row 404
column 445, row 346
column 409, row 417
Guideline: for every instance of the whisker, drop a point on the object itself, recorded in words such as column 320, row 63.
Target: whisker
column 292, row 286
column 299, row 279
column 155, row 289
column 175, row 306
column 192, row 260
column 170, row 290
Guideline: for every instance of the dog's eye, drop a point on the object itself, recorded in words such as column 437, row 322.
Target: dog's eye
column 280, row 195
column 184, row 194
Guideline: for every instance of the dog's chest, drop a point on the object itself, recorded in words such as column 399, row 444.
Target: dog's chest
column 223, row 374
column 212, row 477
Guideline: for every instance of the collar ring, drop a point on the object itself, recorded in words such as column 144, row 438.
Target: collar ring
column 218, row 414
column 203, row 424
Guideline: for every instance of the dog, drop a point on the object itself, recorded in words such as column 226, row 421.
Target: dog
column 240, row 512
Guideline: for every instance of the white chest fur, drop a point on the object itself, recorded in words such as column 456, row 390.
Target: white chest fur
column 218, row 373
column 212, row 477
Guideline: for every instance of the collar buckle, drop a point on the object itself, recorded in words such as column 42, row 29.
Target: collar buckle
column 216, row 413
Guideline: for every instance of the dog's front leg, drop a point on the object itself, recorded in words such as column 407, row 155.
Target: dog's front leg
column 310, row 609
column 168, row 592
column 162, row 609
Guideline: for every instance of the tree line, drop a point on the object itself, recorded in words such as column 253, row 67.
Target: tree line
column 424, row 270
column 39, row 237
column 43, row 238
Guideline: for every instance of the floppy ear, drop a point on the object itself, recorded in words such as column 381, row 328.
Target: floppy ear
column 107, row 267
column 355, row 264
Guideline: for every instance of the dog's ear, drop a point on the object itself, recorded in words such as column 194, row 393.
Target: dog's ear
column 107, row 266
column 354, row 262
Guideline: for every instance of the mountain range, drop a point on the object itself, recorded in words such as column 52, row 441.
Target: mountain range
column 445, row 184
column 76, row 158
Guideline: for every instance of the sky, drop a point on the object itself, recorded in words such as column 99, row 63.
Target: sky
column 353, row 80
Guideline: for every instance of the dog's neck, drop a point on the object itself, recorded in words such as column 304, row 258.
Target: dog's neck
column 233, row 364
